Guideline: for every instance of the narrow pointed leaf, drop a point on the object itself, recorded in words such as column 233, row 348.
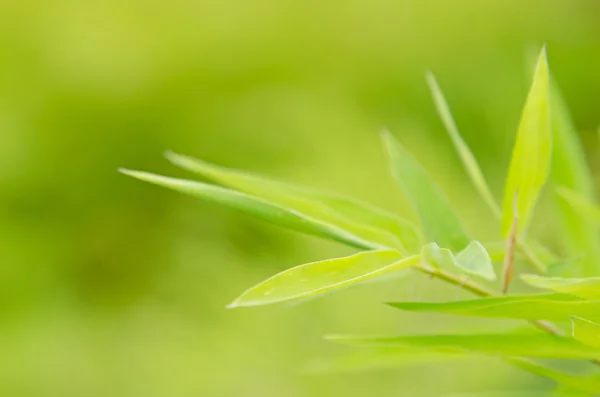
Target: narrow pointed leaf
column 439, row 220
column 525, row 345
column 467, row 157
column 586, row 331
column 553, row 307
column 572, row 382
column 581, row 204
column 362, row 219
column 256, row 207
column 473, row 260
column 319, row 277
column 569, row 169
column 588, row 288
column 530, row 163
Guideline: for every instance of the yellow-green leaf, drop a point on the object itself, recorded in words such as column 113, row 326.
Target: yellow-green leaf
column 316, row 278
column 570, row 169
column 530, row 163
column 363, row 220
column 467, row 157
column 473, row 260
column 588, row 288
column 256, row 207
column 440, row 222
column 538, row 345
column 553, row 307
column 586, row 331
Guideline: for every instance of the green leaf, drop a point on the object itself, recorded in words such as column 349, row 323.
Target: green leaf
column 588, row 288
column 575, row 383
column 553, row 307
column 525, row 345
column 319, row 277
column 467, row 157
column 570, row 169
column 256, row 207
column 361, row 219
column 439, row 220
column 586, row 331
column 530, row 163
column 379, row 358
column 473, row 260
column 581, row 204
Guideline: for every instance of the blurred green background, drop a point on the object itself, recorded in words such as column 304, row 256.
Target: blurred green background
column 111, row 287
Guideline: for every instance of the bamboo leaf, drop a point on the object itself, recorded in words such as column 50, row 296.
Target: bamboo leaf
column 553, row 307
column 467, row 157
column 570, row 170
column 473, row 260
column 581, row 204
column 256, row 207
column 324, row 276
column 586, row 331
column 363, row 220
column 439, row 220
column 522, row 345
column 530, row 163
column 588, row 288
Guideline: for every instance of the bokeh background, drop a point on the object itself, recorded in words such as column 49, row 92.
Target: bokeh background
column 111, row 287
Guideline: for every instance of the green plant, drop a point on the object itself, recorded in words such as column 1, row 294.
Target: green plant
column 443, row 248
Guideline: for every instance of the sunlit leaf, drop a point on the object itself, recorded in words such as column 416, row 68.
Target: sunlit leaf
column 586, row 331
column 588, row 288
column 569, row 169
column 467, row 157
column 256, row 207
column 530, row 163
column 361, row 219
column 525, row 345
column 554, row 307
column 582, row 205
column 473, row 260
column 441, row 223
column 324, row 276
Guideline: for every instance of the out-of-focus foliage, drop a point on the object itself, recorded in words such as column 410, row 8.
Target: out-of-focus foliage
column 110, row 288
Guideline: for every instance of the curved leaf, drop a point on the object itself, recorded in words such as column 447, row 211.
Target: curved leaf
column 363, row 220
column 525, row 345
column 439, row 220
column 530, row 163
column 473, row 260
column 586, row 331
column 588, row 288
column 467, row 157
column 256, row 207
column 581, row 204
column 553, row 307
column 324, row 276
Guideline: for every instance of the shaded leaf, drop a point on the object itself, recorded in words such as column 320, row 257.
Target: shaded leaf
column 467, row 157
column 572, row 382
column 569, row 169
column 441, row 223
column 530, row 163
column 526, row 345
column 256, row 207
column 581, row 204
column 553, row 307
column 363, row 220
column 473, row 260
column 324, row 276
column 588, row 288
column 586, row 331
